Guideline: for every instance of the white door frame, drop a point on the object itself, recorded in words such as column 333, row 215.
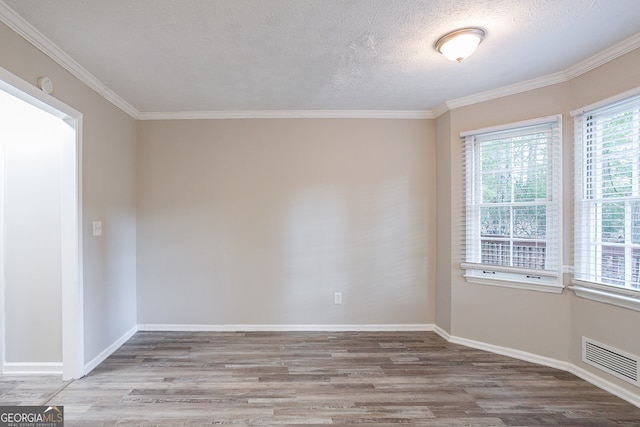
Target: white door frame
column 72, row 277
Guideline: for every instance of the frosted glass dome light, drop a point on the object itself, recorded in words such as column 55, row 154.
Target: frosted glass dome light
column 460, row 44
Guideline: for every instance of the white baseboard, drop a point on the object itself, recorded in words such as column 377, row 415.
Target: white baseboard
column 589, row 377
column 444, row 334
column 426, row 327
column 35, row 368
column 608, row 386
column 56, row 368
column 109, row 351
column 510, row 352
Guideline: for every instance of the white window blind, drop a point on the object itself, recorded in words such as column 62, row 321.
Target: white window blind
column 512, row 213
column 607, row 205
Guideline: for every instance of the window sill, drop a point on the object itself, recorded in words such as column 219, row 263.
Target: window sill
column 608, row 296
column 510, row 278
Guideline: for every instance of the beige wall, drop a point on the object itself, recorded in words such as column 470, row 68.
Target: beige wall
column 108, row 192
column 261, row 221
column 547, row 325
column 608, row 324
column 444, row 223
column 525, row 320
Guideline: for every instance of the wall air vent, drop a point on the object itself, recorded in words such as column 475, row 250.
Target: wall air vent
column 611, row 360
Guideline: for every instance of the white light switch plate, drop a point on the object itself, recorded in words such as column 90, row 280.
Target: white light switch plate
column 337, row 298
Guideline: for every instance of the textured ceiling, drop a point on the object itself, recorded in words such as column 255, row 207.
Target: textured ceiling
column 234, row 55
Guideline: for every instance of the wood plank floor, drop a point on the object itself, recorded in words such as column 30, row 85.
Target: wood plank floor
column 313, row 378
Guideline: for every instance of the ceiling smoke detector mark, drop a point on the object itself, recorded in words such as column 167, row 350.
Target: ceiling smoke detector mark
column 46, row 85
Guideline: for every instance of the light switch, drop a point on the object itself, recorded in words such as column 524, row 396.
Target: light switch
column 97, row 228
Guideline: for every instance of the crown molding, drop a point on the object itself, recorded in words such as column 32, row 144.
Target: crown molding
column 440, row 110
column 40, row 41
column 570, row 73
column 513, row 89
column 607, row 55
column 583, row 67
column 287, row 114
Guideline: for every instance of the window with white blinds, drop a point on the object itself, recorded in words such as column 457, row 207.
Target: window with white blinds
column 512, row 196
column 607, row 204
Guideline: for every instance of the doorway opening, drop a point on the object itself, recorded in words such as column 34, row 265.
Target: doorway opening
column 41, row 327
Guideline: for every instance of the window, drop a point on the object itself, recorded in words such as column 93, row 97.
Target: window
column 512, row 211
column 607, row 206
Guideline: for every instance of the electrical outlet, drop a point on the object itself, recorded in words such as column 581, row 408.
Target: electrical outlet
column 337, row 298
column 97, row 228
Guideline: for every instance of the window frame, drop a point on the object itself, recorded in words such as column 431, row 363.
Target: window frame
column 584, row 283
column 543, row 280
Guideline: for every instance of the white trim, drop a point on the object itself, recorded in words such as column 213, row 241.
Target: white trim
column 607, row 296
column 607, row 288
column 72, row 260
column 510, row 352
column 513, row 89
column 444, row 334
column 73, row 349
column 553, row 288
column 22, row 89
column 605, row 385
column 40, row 41
column 603, row 57
column 556, row 118
column 591, row 378
column 506, row 269
column 421, row 327
column 440, row 110
column 286, row 114
column 32, row 368
column 605, row 102
column 109, row 350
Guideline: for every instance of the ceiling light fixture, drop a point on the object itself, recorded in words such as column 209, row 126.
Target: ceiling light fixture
column 460, row 44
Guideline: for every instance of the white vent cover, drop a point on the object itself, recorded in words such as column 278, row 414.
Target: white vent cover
column 616, row 362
